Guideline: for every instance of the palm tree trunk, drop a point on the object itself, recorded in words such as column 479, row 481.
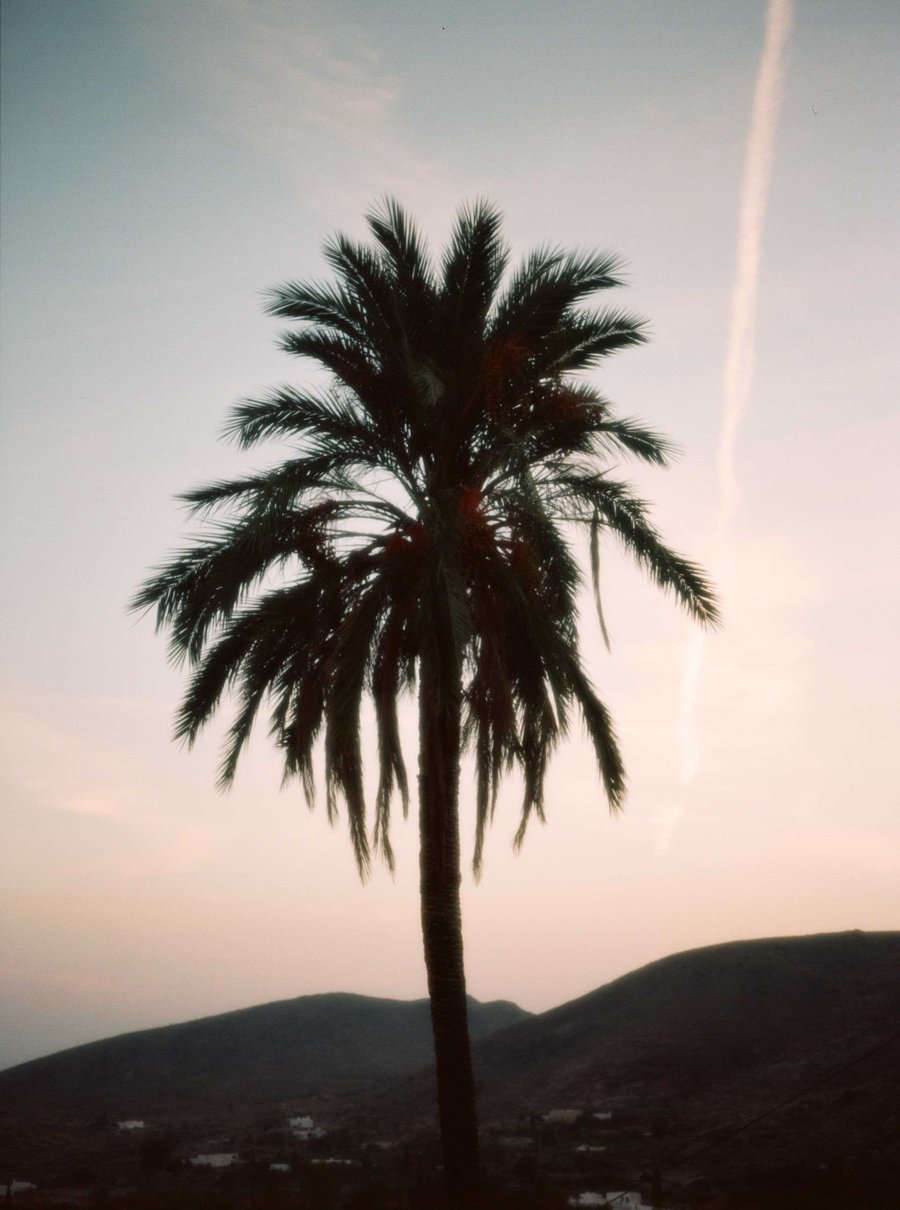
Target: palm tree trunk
column 439, row 869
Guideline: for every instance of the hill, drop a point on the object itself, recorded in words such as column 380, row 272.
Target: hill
column 314, row 1048
column 800, row 1032
column 763, row 1072
column 701, row 1023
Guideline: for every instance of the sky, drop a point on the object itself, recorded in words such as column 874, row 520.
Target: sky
column 163, row 164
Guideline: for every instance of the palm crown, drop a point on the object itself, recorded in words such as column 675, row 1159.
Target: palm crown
column 426, row 512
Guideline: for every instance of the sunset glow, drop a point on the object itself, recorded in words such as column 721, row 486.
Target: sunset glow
column 163, row 165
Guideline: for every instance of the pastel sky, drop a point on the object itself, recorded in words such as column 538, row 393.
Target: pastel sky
column 165, row 162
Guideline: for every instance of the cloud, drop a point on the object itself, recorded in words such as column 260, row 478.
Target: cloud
column 87, row 757
column 754, row 197
column 57, row 757
column 311, row 95
column 739, row 362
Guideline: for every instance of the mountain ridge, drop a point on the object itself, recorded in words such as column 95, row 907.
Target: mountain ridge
column 305, row 1047
column 801, row 1034
column 770, row 1065
column 716, row 1016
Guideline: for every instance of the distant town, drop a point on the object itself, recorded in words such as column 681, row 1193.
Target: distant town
column 561, row 1157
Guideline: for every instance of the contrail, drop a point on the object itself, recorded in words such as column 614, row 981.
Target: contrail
column 738, row 375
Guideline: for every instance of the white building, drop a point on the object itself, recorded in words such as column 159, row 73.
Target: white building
column 562, row 1117
column 303, row 1128
column 615, row 1200
column 14, row 1187
column 216, row 1159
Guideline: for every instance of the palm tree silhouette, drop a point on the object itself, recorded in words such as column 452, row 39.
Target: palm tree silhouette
column 419, row 539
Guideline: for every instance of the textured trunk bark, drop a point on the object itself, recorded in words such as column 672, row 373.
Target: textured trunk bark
column 439, row 869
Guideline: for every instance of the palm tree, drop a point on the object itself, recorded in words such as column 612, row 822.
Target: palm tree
column 418, row 538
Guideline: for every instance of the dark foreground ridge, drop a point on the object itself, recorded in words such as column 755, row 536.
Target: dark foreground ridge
column 723, row 1017
column 757, row 1075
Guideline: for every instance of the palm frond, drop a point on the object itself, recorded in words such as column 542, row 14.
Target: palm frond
column 626, row 517
column 616, row 435
column 582, row 340
column 417, row 534
column 281, row 487
column 602, row 734
column 325, row 305
column 369, row 283
column 396, row 233
column 473, row 267
column 595, row 575
column 289, row 413
column 547, row 287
